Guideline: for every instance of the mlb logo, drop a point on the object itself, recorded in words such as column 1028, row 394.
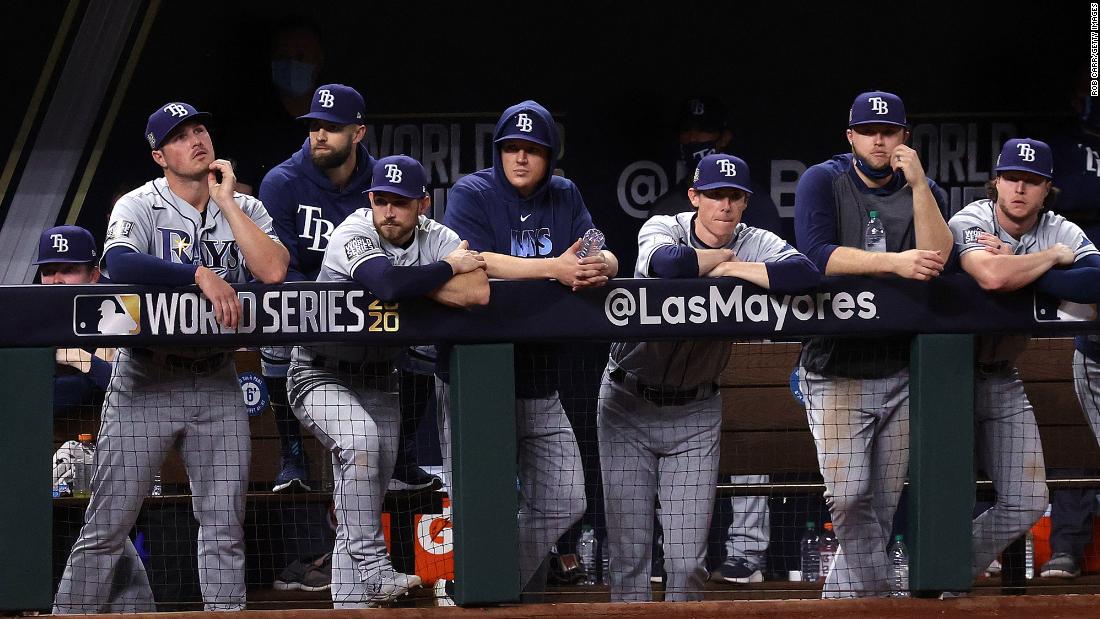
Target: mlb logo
column 107, row 314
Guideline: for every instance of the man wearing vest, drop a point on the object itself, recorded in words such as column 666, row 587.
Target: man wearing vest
column 857, row 389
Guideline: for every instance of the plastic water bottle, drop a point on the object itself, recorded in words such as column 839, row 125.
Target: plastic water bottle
column 83, row 467
column 1029, row 556
column 827, row 549
column 605, row 564
column 591, row 242
column 874, row 236
column 899, row 568
column 586, row 552
column 809, row 554
column 157, row 490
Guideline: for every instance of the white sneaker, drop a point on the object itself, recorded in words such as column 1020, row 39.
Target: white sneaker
column 387, row 585
column 444, row 591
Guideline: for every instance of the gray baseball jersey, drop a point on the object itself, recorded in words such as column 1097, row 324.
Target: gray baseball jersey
column 153, row 220
column 980, row 216
column 154, row 403
column 1007, row 435
column 355, row 241
column 688, row 363
column 357, row 418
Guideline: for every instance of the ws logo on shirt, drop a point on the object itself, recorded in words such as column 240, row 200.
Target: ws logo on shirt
column 532, row 243
column 216, row 255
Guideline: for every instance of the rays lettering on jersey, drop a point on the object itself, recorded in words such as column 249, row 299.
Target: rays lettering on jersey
column 217, row 255
column 315, row 228
column 531, row 243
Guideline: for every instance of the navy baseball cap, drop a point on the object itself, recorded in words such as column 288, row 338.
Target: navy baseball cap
column 702, row 113
column 1026, row 155
column 336, row 103
column 167, row 117
column 66, row 244
column 400, row 174
column 719, row 170
column 877, row 107
column 527, row 125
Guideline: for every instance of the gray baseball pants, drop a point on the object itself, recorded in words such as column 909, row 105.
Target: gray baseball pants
column 1011, row 454
column 359, row 424
column 749, row 534
column 649, row 451
column 148, row 409
column 551, row 478
column 861, row 430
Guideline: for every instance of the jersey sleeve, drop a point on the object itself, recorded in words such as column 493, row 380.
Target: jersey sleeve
column 582, row 219
column 1072, row 236
column 281, row 207
column 466, row 217
column 966, row 225
column 441, row 241
column 763, row 246
column 352, row 244
column 657, row 232
column 258, row 214
column 815, row 227
column 131, row 226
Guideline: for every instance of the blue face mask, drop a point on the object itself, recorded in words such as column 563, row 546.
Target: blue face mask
column 693, row 152
column 292, row 78
column 870, row 172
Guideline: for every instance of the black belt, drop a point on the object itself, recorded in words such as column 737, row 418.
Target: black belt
column 660, row 394
column 195, row 365
column 995, row 368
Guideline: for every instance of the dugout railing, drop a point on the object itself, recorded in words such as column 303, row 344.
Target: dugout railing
column 942, row 316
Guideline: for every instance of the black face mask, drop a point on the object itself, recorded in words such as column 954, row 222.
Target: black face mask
column 693, row 152
column 870, row 172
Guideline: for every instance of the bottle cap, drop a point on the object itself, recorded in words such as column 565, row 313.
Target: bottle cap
column 84, row 437
column 874, row 214
column 810, row 524
column 898, row 537
column 828, row 526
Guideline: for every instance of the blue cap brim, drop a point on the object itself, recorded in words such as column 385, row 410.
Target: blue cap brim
column 63, row 261
column 722, row 185
column 397, row 190
column 879, row 122
column 1015, row 168
column 526, row 137
column 332, row 118
column 201, row 116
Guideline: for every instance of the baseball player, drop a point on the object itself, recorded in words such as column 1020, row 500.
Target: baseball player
column 346, row 394
column 660, row 411
column 1006, row 242
column 528, row 224
column 308, row 195
column 857, row 389
column 67, row 255
column 189, row 227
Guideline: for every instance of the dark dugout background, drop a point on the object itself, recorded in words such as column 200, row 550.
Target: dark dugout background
column 612, row 73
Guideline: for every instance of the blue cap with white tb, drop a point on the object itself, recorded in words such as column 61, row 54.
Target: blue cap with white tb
column 527, row 125
column 336, row 103
column 167, row 117
column 65, row 244
column 400, row 174
column 719, row 170
column 1026, row 155
column 877, row 107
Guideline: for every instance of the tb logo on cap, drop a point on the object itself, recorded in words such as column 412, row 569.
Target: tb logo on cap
column 393, row 173
column 325, row 98
column 176, row 110
column 523, row 123
column 1026, row 152
column 725, row 166
column 698, row 108
column 60, row 243
column 878, row 105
